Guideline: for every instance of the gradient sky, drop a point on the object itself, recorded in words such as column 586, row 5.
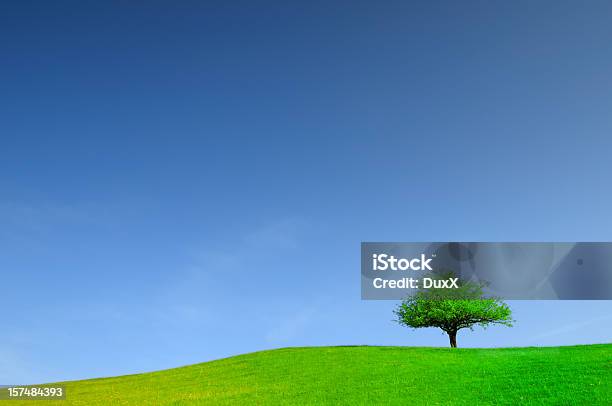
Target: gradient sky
column 184, row 181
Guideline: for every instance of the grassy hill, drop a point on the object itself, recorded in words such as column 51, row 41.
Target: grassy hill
column 368, row 375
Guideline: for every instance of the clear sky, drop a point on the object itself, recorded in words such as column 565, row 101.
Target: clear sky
column 183, row 181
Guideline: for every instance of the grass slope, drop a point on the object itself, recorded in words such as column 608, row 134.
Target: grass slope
column 367, row 375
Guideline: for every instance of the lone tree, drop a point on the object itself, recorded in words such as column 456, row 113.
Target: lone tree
column 453, row 309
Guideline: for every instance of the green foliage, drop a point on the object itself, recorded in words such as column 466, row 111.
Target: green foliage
column 577, row 375
column 452, row 310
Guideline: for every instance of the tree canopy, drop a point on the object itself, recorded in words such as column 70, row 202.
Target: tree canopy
column 452, row 310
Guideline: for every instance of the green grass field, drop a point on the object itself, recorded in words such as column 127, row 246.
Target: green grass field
column 368, row 375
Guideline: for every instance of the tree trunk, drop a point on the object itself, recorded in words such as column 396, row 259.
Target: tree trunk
column 452, row 335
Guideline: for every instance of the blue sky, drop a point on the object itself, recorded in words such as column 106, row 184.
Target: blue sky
column 183, row 182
